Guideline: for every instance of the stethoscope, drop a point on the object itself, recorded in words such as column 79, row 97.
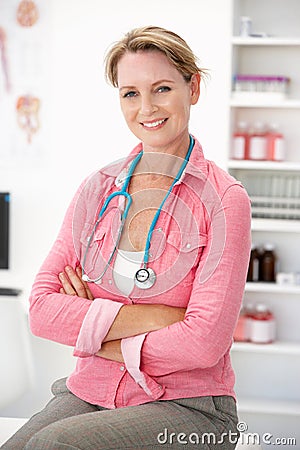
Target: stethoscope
column 145, row 277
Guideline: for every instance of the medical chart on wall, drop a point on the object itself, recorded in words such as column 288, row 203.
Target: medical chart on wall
column 23, row 53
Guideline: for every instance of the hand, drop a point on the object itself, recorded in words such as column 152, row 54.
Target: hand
column 72, row 283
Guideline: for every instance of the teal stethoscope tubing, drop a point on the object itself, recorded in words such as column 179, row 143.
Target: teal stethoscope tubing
column 155, row 218
column 123, row 192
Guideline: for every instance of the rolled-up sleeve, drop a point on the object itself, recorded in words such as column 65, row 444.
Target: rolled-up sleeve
column 52, row 315
column 205, row 334
column 131, row 351
column 95, row 326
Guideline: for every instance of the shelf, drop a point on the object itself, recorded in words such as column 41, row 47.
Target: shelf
column 265, row 406
column 272, row 288
column 277, row 348
column 267, row 374
column 283, row 226
column 263, row 103
column 266, row 41
column 263, row 165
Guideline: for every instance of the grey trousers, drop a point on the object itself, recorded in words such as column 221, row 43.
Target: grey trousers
column 70, row 423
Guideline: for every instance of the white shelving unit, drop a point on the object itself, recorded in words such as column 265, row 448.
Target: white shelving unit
column 272, row 288
column 264, row 165
column 266, row 42
column 269, row 407
column 272, row 225
column 267, row 376
column 257, row 102
column 278, row 348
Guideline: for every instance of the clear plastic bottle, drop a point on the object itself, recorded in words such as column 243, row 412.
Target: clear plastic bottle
column 240, row 148
column 258, row 142
column 275, row 144
column 268, row 263
column 245, row 26
column 263, row 325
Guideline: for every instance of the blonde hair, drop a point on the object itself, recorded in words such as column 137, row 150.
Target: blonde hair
column 151, row 38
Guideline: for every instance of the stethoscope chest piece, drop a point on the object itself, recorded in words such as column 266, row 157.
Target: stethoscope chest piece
column 145, row 278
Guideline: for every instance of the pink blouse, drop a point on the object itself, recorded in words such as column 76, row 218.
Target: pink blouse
column 199, row 251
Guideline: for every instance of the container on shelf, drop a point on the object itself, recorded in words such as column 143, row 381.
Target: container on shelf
column 258, row 142
column 262, row 325
column 286, row 278
column 268, row 263
column 240, row 148
column 245, row 26
column 275, row 144
column 263, row 142
column 243, row 327
column 253, row 269
column 275, row 195
column 242, row 331
column 239, row 334
column 268, row 87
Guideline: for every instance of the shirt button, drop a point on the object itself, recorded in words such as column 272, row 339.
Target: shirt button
column 122, row 368
column 188, row 245
column 159, row 229
column 109, row 281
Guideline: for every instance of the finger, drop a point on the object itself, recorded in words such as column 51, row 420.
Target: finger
column 66, row 285
column 90, row 295
column 79, row 274
column 76, row 282
column 85, row 283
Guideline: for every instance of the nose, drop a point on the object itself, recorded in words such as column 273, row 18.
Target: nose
column 147, row 105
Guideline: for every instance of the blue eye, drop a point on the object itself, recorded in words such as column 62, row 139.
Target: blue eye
column 163, row 89
column 129, row 94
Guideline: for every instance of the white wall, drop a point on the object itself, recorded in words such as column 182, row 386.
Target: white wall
column 82, row 127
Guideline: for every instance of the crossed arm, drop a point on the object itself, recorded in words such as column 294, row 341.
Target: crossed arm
column 131, row 320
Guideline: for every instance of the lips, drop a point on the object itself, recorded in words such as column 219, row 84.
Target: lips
column 153, row 123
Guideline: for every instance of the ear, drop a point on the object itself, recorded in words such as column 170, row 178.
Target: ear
column 195, row 88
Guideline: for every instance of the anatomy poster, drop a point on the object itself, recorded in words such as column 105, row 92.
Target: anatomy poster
column 24, row 39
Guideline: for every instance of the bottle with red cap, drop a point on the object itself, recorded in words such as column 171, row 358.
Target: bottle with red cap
column 240, row 149
column 275, row 144
column 258, row 142
column 263, row 326
column 242, row 331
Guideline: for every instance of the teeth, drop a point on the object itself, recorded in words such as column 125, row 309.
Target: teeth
column 153, row 124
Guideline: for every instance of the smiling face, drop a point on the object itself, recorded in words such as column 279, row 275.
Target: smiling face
column 155, row 100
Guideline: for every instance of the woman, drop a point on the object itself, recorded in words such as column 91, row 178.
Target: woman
column 146, row 277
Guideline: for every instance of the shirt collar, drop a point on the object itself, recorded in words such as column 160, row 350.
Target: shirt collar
column 196, row 167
